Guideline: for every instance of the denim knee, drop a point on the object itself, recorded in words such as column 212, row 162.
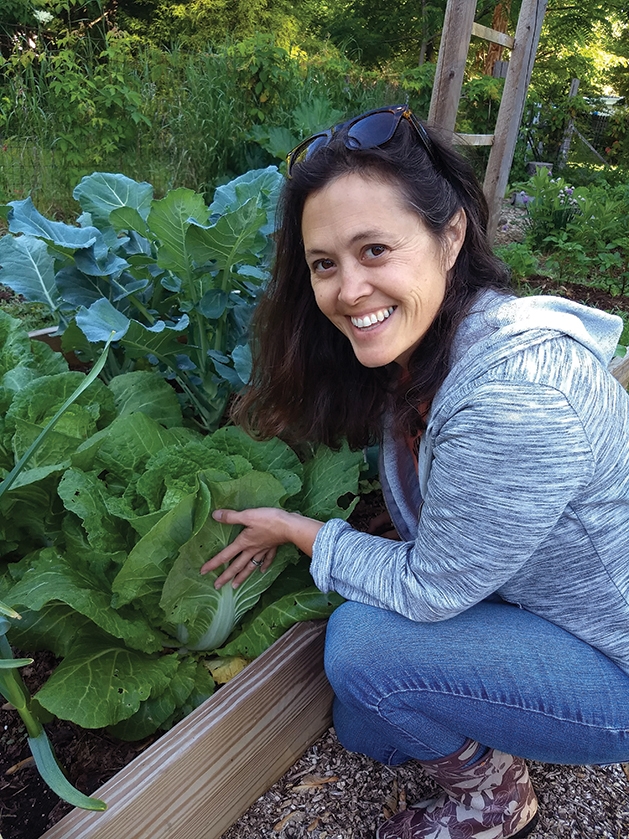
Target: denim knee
column 347, row 650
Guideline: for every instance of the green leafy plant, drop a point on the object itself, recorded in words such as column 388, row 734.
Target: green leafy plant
column 11, row 685
column 173, row 279
column 520, row 259
column 307, row 118
column 581, row 234
column 553, row 204
column 104, row 533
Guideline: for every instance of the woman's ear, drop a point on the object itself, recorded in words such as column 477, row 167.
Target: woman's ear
column 454, row 236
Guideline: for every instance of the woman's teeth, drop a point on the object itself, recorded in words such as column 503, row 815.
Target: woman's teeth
column 374, row 317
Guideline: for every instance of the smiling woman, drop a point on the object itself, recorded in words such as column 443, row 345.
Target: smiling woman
column 378, row 274
column 496, row 626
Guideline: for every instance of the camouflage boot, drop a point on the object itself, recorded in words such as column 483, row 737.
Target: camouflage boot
column 491, row 799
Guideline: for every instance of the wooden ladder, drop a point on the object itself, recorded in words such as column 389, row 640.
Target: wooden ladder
column 458, row 28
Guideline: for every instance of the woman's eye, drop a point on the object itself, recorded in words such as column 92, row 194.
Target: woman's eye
column 322, row 265
column 375, row 250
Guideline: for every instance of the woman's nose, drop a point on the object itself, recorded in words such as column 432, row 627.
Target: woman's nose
column 354, row 285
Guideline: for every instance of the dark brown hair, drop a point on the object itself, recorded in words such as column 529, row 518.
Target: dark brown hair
column 307, row 385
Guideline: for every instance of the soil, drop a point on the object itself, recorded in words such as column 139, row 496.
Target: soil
column 28, row 807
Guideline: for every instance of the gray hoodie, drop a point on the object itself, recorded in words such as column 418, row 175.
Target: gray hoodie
column 523, row 485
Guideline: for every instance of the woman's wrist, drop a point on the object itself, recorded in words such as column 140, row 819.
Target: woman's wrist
column 300, row 530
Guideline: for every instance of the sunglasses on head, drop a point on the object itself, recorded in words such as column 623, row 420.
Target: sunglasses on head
column 367, row 131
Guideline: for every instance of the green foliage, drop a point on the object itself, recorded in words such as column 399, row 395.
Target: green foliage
column 522, row 262
column 546, row 120
column 376, row 33
column 617, row 148
column 173, row 279
column 104, row 533
column 577, row 234
column 85, row 103
column 553, row 204
column 172, row 117
column 480, row 100
column 11, row 684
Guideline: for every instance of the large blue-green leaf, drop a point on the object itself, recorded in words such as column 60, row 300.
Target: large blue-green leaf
column 159, row 340
column 130, row 220
column 28, row 269
column 169, row 221
column 103, row 192
column 234, row 238
column 51, row 578
column 262, row 184
column 100, row 262
column 213, row 303
column 243, row 362
column 102, row 682
column 79, row 289
column 26, row 219
column 101, row 319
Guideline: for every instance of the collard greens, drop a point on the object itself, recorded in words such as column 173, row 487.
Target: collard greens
column 104, row 534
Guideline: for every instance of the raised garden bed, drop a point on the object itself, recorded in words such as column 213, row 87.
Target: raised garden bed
column 199, row 777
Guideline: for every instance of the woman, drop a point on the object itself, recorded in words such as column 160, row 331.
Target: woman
column 497, row 629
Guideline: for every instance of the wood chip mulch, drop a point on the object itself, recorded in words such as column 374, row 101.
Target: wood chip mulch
column 332, row 794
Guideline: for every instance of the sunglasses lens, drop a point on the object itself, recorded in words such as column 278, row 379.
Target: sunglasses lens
column 373, row 130
column 306, row 150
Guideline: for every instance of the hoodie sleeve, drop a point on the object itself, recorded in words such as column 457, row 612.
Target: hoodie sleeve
column 506, row 465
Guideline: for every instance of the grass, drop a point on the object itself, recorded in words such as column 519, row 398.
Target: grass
column 33, row 315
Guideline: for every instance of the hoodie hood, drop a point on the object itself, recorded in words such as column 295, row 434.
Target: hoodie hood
column 521, row 320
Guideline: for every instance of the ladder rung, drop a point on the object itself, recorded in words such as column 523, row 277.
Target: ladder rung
column 493, row 35
column 473, row 139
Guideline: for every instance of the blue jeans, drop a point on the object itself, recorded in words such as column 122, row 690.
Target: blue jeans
column 495, row 673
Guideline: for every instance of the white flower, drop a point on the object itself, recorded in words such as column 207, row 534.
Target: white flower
column 41, row 16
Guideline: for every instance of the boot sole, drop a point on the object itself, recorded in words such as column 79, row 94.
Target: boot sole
column 528, row 828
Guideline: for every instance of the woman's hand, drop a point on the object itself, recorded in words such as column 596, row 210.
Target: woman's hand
column 265, row 529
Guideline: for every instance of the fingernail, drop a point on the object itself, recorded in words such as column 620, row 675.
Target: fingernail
column 217, row 515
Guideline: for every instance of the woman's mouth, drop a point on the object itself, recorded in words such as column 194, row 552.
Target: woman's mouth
column 374, row 317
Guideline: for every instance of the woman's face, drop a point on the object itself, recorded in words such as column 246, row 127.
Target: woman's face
column 376, row 271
